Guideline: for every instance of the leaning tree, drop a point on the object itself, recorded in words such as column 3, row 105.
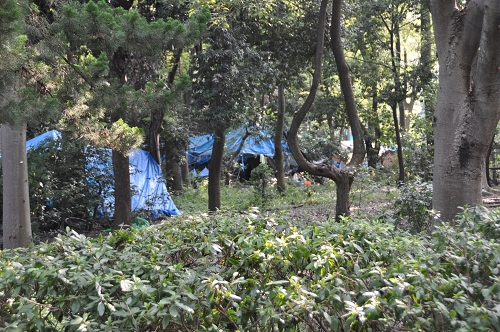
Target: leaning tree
column 468, row 102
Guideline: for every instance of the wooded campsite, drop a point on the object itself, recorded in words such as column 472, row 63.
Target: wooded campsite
column 263, row 165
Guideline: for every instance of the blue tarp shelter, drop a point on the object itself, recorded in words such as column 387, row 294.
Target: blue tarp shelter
column 150, row 192
column 260, row 143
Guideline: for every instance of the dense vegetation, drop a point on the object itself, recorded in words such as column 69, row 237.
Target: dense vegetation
column 253, row 272
column 124, row 74
column 262, row 269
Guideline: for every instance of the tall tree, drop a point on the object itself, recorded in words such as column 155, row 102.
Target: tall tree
column 342, row 178
column 20, row 101
column 224, row 78
column 468, row 103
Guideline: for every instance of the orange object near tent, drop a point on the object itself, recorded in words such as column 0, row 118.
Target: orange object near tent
column 307, row 183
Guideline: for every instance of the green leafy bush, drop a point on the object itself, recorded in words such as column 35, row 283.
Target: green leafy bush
column 261, row 177
column 413, row 206
column 247, row 272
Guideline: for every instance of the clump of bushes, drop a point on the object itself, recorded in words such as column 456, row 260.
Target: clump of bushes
column 234, row 271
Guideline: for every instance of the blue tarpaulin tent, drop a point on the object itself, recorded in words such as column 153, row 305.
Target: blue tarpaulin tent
column 260, row 143
column 150, row 192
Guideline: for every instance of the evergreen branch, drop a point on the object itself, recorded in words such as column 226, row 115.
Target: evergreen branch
column 79, row 72
column 37, row 81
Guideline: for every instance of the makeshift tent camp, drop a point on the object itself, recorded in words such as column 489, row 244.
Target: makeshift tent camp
column 150, row 192
column 260, row 143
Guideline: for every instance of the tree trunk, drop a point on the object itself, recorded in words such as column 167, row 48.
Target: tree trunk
column 16, row 201
column 123, row 199
column 155, row 129
column 173, row 171
column 278, row 137
column 401, row 177
column 185, row 173
column 343, row 189
column 468, row 104
column 215, row 169
column 329, row 171
column 372, row 139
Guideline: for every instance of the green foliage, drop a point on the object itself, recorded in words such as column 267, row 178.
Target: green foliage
column 261, row 177
column 419, row 150
column 250, row 272
column 413, row 206
column 12, row 42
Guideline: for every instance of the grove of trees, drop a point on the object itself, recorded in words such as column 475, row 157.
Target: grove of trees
column 388, row 110
column 119, row 75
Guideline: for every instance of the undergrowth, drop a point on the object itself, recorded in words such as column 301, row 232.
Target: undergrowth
column 253, row 271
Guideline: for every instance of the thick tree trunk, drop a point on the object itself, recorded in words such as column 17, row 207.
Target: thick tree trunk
column 343, row 189
column 278, row 138
column 16, row 202
column 468, row 104
column 215, row 169
column 123, row 199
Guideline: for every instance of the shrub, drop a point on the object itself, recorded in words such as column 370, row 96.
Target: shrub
column 413, row 206
column 261, row 177
column 248, row 272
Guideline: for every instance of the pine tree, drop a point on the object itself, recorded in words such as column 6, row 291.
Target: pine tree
column 20, row 101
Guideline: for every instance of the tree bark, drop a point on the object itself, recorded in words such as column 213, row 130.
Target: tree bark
column 123, row 198
column 173, row 170
column 468, row 104
column 372, row 140
column 278, row 138
column 185, row 173
column 215, row 169
column 155, row 129
column 346, row 86
column 16, row 202
column 401, row 177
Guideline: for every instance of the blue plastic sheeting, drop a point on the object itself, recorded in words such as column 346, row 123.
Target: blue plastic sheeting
column 200, row 148
column 150, row 192
column 50, row 136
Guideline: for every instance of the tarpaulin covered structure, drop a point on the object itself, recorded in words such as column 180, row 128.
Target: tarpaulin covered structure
column 149, row 190
column 259, row 143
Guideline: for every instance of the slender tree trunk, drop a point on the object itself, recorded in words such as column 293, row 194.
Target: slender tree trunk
column 346, row 86
column 16, row 201
column 156, row 124
column 123, row 199
column 215, row 169
column 328, row 171
column 173, row 170
column 185, row 173
column 372, row 140
column 343, row 189
column 155, row 129
column 401, row 177
column 278, row 138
